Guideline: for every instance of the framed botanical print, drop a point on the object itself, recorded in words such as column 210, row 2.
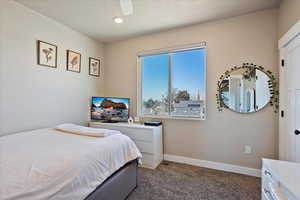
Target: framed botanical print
column 73, row 61
column 94, row 67
column 46, row 54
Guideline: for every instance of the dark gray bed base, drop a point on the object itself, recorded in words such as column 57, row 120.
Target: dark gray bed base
column 119, row 185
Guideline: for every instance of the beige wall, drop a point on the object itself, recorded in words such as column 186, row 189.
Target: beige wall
column 221, row 138
column 289, row 14
column 33, row 96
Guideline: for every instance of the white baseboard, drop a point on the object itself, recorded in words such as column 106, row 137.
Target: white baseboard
column 214, row 165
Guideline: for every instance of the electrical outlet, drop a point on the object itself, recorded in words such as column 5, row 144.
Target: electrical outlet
column 248, row 149
column 136, row 119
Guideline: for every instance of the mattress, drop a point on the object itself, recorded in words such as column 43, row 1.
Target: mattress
column 49, row 164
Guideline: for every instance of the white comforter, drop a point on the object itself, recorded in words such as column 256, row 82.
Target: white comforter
column 48, row 164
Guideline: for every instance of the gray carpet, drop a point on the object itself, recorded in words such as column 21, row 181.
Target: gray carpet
column 173, row 181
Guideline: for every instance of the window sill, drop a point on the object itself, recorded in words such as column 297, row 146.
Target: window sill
column 175, row 118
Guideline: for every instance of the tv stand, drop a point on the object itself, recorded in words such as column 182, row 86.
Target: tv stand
column 147, row 138
column 109, row 121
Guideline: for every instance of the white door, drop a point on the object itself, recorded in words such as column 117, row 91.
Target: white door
column 292, row 81
column 235, row 93
column 262, row 89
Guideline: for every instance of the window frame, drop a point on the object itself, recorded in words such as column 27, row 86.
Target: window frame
column 168, row 50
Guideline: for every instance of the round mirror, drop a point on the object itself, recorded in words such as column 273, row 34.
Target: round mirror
column 246, row 89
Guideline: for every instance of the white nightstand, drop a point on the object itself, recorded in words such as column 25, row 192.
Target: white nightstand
column 147, row 138
column 280, row 180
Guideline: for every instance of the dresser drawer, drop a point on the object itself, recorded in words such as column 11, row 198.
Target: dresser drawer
column 139, row 134
column 144, row 147
column 268, row 177
column 266, row 195
column 147, row 139
column 147, row 160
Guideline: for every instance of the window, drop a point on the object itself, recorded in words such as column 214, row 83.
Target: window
column 172, row 84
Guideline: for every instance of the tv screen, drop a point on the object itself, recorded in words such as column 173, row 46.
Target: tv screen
column 110, row 109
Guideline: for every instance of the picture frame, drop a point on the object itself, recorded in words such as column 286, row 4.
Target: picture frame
column 46, row 54
column 94, row 67
column 73, row 61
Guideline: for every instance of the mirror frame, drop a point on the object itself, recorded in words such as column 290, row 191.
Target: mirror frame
column 272, row 84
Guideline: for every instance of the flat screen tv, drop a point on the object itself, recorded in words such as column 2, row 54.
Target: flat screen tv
column 110, row 109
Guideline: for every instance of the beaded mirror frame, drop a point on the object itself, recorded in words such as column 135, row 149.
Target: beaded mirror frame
column 249, row 67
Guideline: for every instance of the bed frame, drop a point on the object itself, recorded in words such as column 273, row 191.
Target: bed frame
column 119, row 185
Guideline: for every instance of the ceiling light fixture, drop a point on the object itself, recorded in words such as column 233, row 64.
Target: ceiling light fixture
column 118, row 20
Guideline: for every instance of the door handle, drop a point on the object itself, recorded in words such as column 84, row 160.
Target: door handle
column 297, row 132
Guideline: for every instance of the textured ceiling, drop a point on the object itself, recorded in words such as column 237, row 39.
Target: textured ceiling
column 95, row 17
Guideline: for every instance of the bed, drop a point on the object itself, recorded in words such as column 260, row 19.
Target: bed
column 50, row 164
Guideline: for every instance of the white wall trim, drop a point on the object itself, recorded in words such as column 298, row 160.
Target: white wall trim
column 184, row 47
column 214, row 165
column 290, row 35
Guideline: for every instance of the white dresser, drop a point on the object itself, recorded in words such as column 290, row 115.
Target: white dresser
column 147, row 138
column 280, row 180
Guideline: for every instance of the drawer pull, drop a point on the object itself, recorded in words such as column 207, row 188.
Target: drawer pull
column 268, row 173
column 267, row 192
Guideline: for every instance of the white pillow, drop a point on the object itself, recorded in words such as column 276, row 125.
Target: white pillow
column 85, row 131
